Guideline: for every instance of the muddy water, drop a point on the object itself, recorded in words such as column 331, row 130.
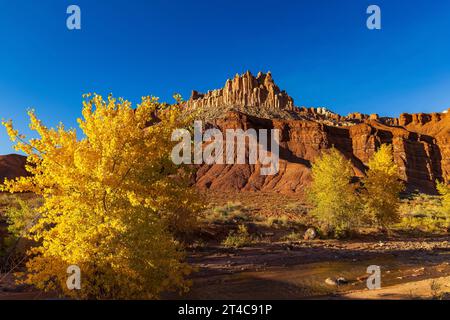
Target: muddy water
column 308, row 280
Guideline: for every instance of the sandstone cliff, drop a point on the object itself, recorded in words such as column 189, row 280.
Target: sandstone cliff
column 420, row 141
column 258, row 96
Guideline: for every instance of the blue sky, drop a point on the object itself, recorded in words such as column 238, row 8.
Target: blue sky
column 319, row 51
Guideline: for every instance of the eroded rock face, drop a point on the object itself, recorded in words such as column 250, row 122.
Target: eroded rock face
column 421, row 142
column 437, row 126
column 418, row 156
column 258, row 96
column 244, row 91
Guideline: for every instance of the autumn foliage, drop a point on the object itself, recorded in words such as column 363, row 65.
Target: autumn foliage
column 383, row 186
column 337, row 206
column 112, row 200
column 341, row 205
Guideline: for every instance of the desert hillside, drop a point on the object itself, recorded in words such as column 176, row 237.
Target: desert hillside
column 11, row 166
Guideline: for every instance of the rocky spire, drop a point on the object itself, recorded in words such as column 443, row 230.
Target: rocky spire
column 244, row 91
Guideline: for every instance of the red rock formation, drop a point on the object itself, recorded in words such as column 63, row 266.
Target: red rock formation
column 420, row 141
column 418, row 156
column 437, row 126
column 245, row 91
column 12, row 166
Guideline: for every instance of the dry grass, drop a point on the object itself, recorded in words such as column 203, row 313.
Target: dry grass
column 238, row 238
column 231, row 212
column 423, row 213
column 269, row 209
column 262, row 203
column 287, row 215
column 293, row 236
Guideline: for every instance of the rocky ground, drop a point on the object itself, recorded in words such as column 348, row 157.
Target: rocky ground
column 298, row 270
column 276, row 262
column 411, row 268
column 411, row 290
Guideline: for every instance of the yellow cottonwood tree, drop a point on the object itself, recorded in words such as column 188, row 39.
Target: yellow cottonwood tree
column 336, row 204
column 111, row 200
column 383, row 187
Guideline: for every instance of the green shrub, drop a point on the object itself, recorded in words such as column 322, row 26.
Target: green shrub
column 20, row 214
column 239, row 238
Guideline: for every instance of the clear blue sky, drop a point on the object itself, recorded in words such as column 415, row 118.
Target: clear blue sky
column 320, row 51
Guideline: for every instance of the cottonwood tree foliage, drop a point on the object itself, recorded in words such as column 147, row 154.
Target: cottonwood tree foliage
column 383, row 186
column 340, row 206
column 337, row 206
column 111, row 200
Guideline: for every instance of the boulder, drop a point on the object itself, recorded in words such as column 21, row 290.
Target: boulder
column 310, row 234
